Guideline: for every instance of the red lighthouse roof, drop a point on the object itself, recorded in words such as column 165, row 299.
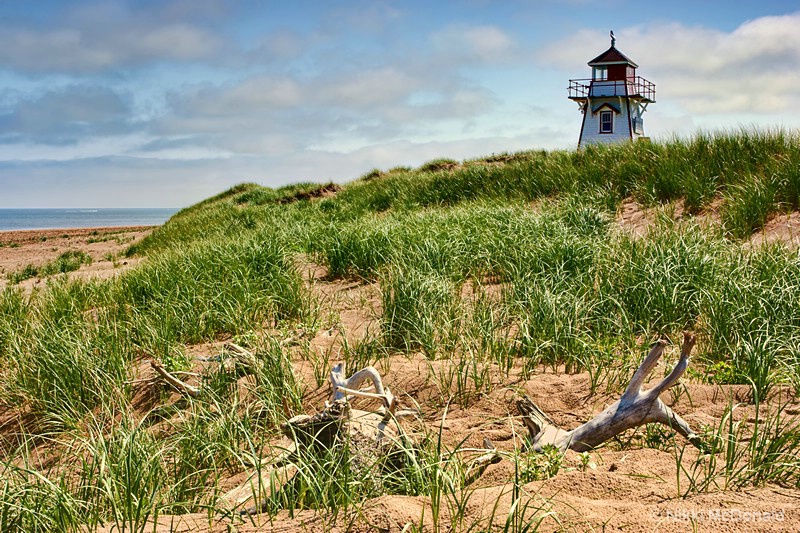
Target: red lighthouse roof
column 612, row 56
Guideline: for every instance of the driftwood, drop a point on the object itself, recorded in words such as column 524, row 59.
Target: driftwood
column 170, row 378
column 371, row 436
column 635, row 408
column 234, row 359
column 375, row 440
column 479, row 465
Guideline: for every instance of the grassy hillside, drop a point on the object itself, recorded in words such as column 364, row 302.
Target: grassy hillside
column 542, row 223
column 555, row 282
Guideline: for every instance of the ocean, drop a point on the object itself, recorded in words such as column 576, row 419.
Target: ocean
column 20, row 219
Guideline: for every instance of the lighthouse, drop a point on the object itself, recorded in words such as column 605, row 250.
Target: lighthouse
column 613, row 100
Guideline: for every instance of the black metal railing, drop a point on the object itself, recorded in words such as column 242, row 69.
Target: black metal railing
column 633, row 86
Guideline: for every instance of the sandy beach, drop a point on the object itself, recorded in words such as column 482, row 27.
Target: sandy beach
column 106, row 247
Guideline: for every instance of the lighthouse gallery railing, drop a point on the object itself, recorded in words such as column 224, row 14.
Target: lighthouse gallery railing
column 634, row 86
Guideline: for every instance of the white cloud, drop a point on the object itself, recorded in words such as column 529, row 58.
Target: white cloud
column 110, row 35
column 77, row 50
column 370, row 87
column 64, row 115
column 278, row 96
column 255, row 94
column 754, row 68
column 281, row 45
column 367, row 17
column 175, row 41
column 463, row 43
column 270, row 113
column 159, row 182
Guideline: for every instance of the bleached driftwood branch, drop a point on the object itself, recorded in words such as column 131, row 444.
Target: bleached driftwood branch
column 241, row 356
column 182, row 386
column 635, row 408
column 350, row 386
column 371, row 434
column 479, row 465
column 242, row 359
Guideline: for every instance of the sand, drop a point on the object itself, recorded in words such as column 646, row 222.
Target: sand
column 630, row 484
column 106, row 247
column 637, row 221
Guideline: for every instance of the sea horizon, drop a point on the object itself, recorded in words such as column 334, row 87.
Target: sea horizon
column 42, row 218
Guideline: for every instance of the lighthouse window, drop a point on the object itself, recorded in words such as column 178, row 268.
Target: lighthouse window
column 606, row 122
column 600, row 73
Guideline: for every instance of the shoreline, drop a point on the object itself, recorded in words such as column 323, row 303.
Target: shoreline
column 21, row 236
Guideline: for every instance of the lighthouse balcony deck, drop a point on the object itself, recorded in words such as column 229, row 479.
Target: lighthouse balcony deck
column 633, row 87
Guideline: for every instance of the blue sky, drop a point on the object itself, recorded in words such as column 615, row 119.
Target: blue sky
column 119, row 103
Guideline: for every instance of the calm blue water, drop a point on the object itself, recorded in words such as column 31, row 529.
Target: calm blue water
column 15, row 219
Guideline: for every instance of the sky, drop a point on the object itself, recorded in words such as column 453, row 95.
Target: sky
column 162, row 103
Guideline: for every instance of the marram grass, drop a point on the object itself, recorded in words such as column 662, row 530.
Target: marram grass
column 570, row 290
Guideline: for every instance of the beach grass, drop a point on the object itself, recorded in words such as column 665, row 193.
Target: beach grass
column 571, row 291
column 69, row 261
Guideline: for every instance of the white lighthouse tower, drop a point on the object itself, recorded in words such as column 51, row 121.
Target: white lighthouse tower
column 613, row 100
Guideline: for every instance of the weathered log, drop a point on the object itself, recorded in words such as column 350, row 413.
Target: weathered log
column 635, row 408
column 479, row 465
column 241, row 357
column 243, row 361
column 371, row 436
column 182, row 386
column 369, row 432
column 233, row 358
